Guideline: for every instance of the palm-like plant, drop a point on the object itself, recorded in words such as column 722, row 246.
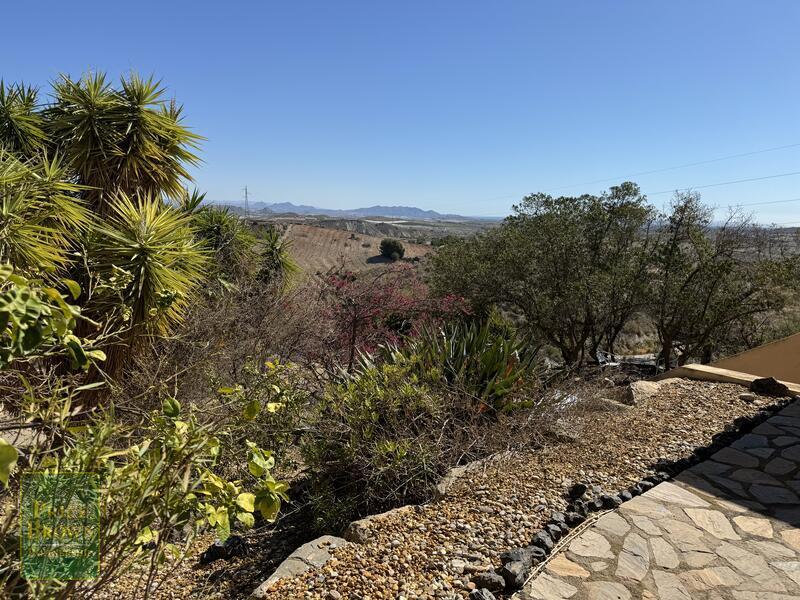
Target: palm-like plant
column 226, row 237
column 130, row 141
column 149, row 264
column 40, row 214
column 21, row 125
column 277, row 264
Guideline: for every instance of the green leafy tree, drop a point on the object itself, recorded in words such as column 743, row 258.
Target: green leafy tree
column 392, row 249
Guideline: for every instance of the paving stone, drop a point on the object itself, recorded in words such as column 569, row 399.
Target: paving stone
column 591, row 544
column 792, row 537
column 644, row 506
column 732, row 456
column 750, row 440
column 634, row 559
column 645, row 524
column 699, row 559
column 710, row 577
column 673, row 494
column 761, row 452
column 781, row 419
column 754, row 526
column 685, row 537
column 598, row 565
column 607, row 590
column 734, row 489
column 564, row 567
column 784, row 440
column 780, row 466
column 759, row 575
column 754, row 476
column 772, row 550
column 791, row 568
column 614, row 524
column 767, row 429
column 714, row 522
column 669, row 586
column 547, row 587
column 709, row 467
column 770, row 494
column 664, row 555
column 739, row 505
column 791, row 453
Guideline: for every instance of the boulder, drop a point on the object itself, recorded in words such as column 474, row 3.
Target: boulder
column 359, row 532
column 232, row 547
column 490, row 580
column 640, row 391
column 313, row 554
column 514, row 574
column 482, row 594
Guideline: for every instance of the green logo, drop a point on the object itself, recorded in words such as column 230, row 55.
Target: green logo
column 60, row 522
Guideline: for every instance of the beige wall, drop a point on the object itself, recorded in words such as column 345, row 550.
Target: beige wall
column 779, row 359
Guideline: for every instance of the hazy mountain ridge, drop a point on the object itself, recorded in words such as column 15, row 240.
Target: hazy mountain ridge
column 403, row 212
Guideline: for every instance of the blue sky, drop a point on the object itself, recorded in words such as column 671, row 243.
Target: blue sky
column 458, row 106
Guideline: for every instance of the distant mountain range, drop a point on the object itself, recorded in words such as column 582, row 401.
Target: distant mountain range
column 401, row 212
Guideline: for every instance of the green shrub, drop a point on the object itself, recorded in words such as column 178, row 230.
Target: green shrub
column 371, row 446
column 392, row 249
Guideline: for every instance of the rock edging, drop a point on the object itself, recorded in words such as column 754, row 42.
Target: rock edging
column 517, row 565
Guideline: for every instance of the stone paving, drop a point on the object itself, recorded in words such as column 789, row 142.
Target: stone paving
column 726, row 528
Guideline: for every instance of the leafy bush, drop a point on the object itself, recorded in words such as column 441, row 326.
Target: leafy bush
column 473, row 358
column 372, row 444
column 392, row 249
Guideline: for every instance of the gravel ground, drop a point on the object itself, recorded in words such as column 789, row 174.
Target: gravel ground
column 431, row 551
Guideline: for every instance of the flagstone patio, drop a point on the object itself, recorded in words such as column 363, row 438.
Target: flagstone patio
column 726, row 528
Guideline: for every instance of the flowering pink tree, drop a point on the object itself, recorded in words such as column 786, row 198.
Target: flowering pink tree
column 367, row 309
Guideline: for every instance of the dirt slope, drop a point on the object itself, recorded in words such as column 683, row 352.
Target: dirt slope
column 317, row 249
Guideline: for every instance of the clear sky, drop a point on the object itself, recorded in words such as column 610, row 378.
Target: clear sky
column 458, row 106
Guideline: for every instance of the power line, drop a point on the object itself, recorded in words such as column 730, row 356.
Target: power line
column 665, row 169
column 760, row 203
column 683, row 166
column 700, row 187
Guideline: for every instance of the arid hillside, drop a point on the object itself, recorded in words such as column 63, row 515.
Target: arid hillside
column 317, row 249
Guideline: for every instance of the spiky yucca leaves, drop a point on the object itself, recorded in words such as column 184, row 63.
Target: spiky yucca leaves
column 227, row 238
column 129, row 141
column 277, row 264
column 40, row 214
column 149, row 264
column 21, row 125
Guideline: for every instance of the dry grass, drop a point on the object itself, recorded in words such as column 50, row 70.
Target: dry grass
column 318, row 249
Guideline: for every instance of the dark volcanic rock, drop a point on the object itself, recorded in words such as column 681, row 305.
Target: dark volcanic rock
column 577, row 490
column 490, row 580
column 769, row 386
column 233, row 547
column 543, row 541
column 514, row 574
column 482, row 594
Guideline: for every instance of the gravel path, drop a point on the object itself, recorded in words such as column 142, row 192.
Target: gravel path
column 725, row 528
column 431, row 551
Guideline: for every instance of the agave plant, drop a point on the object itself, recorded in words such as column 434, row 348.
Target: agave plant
column 470, row 357
column 40, row 214
column 129, row 141
column 149, row 264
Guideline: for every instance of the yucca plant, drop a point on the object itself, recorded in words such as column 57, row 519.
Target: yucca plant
column 469, row 357
column 128, row 141
column 40, row 214
column 226, row 237
column 277, row 264
column 21, row 125
column 149, row 264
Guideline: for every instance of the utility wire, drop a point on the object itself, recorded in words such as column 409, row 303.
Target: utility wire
column 700, row 187
column 683, row 166
column 673, row 168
